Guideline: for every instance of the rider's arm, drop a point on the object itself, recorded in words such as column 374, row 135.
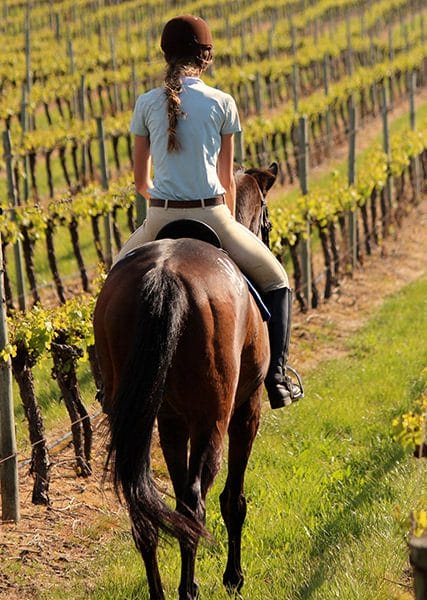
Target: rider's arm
column 225, row 170
column 142, row 164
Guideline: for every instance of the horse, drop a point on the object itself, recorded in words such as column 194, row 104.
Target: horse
column 180, row 340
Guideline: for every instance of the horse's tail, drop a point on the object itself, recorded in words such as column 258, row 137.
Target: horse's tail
column 161, row 308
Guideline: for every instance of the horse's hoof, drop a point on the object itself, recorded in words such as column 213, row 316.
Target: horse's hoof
column 190, row 595
column 233, row 584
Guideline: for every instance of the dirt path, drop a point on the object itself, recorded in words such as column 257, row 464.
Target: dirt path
column 47, row 545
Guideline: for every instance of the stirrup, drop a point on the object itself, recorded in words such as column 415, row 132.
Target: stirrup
column 296, row 389
column 283, row 392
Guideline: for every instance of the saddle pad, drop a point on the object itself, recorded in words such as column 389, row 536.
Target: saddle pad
column 265, row 313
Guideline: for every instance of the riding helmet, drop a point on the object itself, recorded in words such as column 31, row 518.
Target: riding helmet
column 185, row 35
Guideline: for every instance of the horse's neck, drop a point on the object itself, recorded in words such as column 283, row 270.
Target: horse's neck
column 248, row 201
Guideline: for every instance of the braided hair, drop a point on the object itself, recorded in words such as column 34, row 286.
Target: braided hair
column 178, row 68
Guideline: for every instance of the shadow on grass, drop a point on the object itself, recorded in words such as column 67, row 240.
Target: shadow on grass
column 346, row 524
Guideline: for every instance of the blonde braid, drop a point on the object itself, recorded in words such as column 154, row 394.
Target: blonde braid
column 173, row 88
column 176, row 70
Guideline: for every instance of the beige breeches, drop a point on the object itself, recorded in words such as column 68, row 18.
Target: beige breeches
column 247, row 251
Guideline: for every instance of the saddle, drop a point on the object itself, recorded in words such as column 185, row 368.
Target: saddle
column 191, row 228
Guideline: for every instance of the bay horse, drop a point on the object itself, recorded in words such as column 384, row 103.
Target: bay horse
column 180, row 339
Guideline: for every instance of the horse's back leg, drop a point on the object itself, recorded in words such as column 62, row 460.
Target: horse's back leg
column 191, row 477
column 148, row 551
column 242, row 431
column 204, row 464
column 174, row 438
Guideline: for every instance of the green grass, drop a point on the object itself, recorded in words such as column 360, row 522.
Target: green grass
column 329, row 491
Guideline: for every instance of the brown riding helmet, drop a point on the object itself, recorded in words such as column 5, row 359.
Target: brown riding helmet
column 184, row 36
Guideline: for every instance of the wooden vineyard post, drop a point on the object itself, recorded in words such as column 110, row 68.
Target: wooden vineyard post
column 412, row 85
column 271, row 32
column 104, row 182
column 239, row 149
column 17, row 248
column 134, row 87
column 24, row 128
column 8, row 455
column 83, row 117
column 418, row 559
column 390, row 43
column 349, row 46
column 352, row 214
column 243, row 41
column 28, row 49
column 422, row 30
column 72, row 70
column 305, row 241
column 258, row 93
column 70, row 53
column 114, row 64
column 326, row 61
column 387, row 151
column 28, row 75
column 295, row 85
column 57, row 26
column 295, row 70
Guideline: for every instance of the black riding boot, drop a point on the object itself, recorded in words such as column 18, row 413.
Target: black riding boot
column 280, row 387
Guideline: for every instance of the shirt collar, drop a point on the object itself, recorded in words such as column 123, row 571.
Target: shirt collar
column 189, row 80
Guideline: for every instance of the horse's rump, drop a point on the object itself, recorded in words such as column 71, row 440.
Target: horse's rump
column 220, row 326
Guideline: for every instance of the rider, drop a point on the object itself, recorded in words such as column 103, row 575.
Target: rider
column 186, row 127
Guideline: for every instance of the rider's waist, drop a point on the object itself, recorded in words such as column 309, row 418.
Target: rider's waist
column 201, row 203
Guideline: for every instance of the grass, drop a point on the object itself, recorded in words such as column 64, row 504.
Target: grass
column 329, row 491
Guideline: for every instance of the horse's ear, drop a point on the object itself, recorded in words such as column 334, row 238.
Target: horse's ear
column 264, row 177
column 274, row 168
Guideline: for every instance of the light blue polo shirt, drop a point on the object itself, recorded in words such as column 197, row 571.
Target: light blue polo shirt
column 189, row 173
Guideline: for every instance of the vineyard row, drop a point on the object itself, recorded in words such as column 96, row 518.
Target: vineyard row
column 73, row 147
column 65, row 333
column 54, row 60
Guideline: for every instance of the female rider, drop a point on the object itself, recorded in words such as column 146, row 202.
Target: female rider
column 186, row 127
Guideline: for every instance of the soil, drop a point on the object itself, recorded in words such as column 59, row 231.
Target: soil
column 50, row 545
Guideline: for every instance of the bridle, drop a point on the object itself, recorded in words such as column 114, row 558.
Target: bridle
column 265, row 225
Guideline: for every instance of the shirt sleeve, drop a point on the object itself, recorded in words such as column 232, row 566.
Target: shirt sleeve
column 138, row 125
column 231, row 121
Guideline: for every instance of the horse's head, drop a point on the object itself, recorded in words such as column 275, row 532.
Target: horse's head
column 252, row 186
